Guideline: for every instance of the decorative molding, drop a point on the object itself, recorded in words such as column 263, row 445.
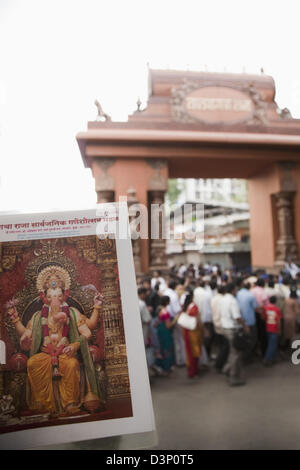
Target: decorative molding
column 158, row 257
column 287, row 249
column 287, row 182
column 178, row 95
column 105, row 196
column 157, row 182
column 104, row 181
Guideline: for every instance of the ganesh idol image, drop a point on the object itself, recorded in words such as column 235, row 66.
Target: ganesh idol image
column 61, row 375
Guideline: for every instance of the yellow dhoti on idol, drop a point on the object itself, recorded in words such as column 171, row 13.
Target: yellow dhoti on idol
column 40, row 389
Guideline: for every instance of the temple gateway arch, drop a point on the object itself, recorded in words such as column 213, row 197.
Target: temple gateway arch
column 205, row 125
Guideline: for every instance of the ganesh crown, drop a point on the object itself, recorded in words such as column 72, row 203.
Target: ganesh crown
column 53, row 277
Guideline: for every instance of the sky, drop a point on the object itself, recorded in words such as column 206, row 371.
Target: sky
column 56, row 57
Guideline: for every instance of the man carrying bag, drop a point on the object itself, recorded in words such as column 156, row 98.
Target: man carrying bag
column 232, row 322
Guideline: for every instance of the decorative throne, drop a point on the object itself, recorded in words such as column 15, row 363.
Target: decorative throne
column 51, row 253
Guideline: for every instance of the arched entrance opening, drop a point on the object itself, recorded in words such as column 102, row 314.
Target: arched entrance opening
column 205, row 125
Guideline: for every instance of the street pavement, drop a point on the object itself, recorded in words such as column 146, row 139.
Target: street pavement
column 206, row 413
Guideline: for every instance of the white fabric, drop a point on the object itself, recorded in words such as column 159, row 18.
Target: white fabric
column 284, row 290
column 182, row 270
column 186, row 321
column 230, row 311
column 198, row 298
column 206, row 314
column 162, row 283
column 216, row 311
column 174, row 305
column 146, row 319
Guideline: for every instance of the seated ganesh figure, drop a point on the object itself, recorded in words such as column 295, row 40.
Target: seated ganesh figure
column 57, row 339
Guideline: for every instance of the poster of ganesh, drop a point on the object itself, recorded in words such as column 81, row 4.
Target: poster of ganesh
column 62, row 326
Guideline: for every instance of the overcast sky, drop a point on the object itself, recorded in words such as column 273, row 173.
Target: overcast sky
column 58, row 56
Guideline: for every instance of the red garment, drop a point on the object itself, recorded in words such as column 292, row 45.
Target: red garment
column 272, row 315
column 164, row 315
column 192, row 310
column 193, row 343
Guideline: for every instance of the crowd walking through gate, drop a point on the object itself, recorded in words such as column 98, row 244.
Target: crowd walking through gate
column 203, row 317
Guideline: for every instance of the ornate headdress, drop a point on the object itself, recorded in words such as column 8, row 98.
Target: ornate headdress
column 53, row 277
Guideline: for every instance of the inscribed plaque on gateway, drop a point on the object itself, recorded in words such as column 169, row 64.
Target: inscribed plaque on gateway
column 70, row 329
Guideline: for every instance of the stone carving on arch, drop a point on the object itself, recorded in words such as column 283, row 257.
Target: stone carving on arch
column 178, row 95
column 157, row 182
column 104, row 181
column 287, row 182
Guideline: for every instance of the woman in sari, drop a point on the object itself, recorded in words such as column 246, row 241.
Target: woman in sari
column 192, row 338
column 165, row 336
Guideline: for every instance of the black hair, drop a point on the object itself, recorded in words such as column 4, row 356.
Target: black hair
column 260, row 282
column 188, row 299
column 271, row 283
column 164, row 300
column 156, row 287
column 172, row 284
column 293, row 294
column 230, row 287
column 273, row 299
column 221, row 290
column 142, row 290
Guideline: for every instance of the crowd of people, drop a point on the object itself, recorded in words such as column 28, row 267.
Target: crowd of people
column 202, row 317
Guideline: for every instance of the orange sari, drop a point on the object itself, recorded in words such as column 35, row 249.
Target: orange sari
column 193, row 343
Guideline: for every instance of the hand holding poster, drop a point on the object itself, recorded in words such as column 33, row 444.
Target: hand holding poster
column 75, row 365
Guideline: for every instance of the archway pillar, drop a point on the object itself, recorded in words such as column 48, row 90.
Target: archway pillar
column 274, row 221
column 147, row 179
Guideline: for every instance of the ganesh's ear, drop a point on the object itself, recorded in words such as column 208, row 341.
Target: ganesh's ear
column 43, row 296
column 66, row 295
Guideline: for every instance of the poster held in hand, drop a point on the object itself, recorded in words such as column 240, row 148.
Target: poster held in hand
column 75, row 366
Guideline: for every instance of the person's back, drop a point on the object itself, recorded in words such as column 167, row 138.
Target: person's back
column 260, row 294
column 247, row 303
column 272, row 316
column 216, row 311
column 291, row 314
column 174, row 306
column 153, row 300
column 231, row 318
column 144, row 312
column 199, row 293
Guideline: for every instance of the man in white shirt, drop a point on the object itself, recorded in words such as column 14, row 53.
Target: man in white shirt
column 220, row 340
column 231, row 319
column 206, row 315
column 199, row 293
column 174, row 308
column 157, row 278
